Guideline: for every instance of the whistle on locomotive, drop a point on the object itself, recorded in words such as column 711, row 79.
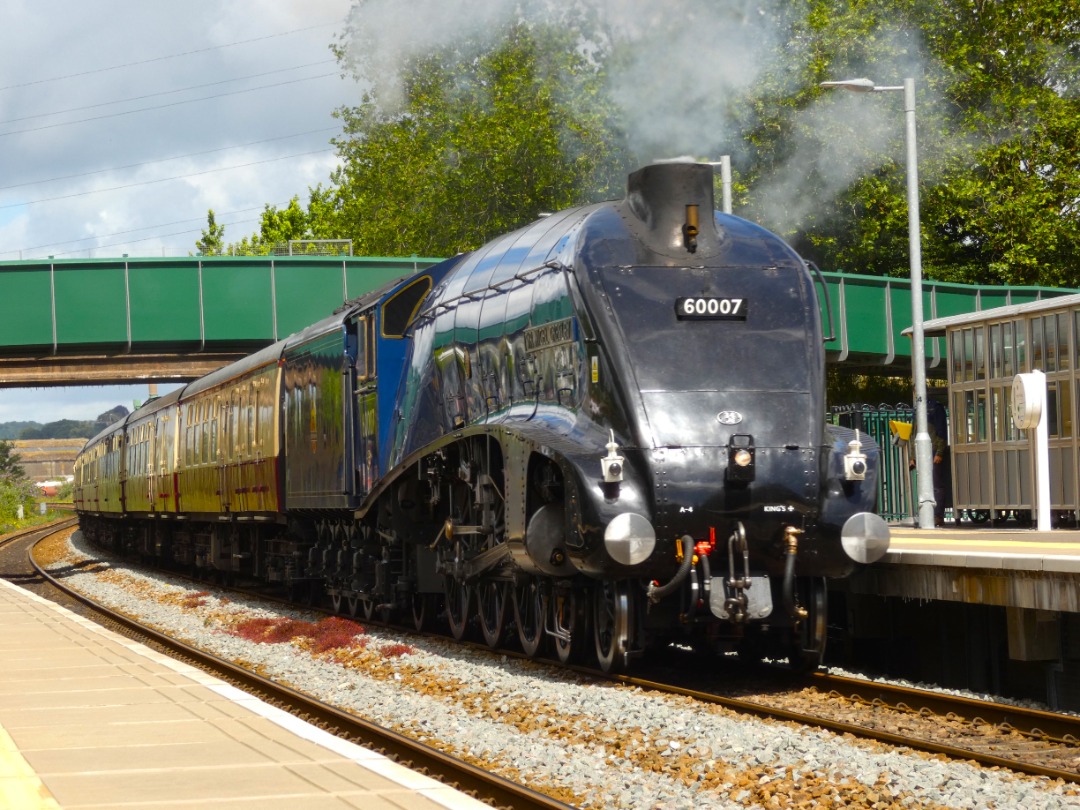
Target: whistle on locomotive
column 690, row 229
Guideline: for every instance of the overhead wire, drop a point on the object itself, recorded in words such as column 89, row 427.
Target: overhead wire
column 167, row 57
column 164, row 160
column 155, row 236
column 162, row 179
column 166, row 92
column 164, row 106
column 200, row 219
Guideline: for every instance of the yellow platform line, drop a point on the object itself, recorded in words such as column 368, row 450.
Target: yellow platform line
column 20, row 787
column 1020, row 547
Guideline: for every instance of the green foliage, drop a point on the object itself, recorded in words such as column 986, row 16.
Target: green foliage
column 15, row 489
column 13, row 430
column 998, row 117
column 67, row 428
column 63, row 429
column 213, row 237
column 482, row 133
column 846, row 389
column 9, row 461
column 15, row 492
column 277, row 228
column 486, row 140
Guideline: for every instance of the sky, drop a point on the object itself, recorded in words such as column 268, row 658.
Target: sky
column 122, row 123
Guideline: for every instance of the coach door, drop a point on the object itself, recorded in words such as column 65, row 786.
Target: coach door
column 365, row 410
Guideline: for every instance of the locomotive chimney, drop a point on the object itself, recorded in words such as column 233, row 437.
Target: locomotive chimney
column 673, row 206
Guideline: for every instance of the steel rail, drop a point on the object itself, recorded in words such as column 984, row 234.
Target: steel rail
column 763, row 710
column 44, row 529
column 1061, row 728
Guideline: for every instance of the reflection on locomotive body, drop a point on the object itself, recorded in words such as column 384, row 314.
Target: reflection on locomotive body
column 598, row 435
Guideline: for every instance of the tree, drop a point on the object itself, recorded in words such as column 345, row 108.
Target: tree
column 9, row 461
column 15, row 489
column 487, row 138
column 213, row 237
column 999, row 126
column 465, row 133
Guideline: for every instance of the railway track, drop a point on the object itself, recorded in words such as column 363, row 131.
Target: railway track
column 14, row 559
column 487, row 787
column 999, row 736
column 1029, row 741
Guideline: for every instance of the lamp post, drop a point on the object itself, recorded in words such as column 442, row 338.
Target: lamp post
column 923, row 455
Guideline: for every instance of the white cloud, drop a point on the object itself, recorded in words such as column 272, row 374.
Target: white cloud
column 67, row 38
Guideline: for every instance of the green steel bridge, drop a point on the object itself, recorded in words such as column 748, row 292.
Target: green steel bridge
column 78, row 321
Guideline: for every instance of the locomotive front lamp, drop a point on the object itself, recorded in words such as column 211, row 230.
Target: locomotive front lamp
column 923, row 454
column 855, row 461
column 611, row 465
column 741, row 458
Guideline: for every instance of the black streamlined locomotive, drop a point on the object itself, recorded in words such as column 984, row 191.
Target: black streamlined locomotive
column 605, row 431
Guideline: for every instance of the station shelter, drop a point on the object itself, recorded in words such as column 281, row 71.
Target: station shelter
column 993, row 460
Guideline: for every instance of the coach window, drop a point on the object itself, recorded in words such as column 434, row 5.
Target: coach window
column 365, row 358
column 232, row 426
column 189, row 434
column 214, row 429
column 255, row 418
column 204, row 447
column 251, row 424
column 196, row 437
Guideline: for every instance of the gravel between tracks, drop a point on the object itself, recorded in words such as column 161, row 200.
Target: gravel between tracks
column 589, row 744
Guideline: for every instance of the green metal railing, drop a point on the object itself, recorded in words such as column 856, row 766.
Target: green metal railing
column 895, row 484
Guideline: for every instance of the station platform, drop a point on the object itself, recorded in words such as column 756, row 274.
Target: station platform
column 967, row 547
column 90, row 720
column 1009, row 567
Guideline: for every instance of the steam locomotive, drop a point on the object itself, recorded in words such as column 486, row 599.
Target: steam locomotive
column 602, row 433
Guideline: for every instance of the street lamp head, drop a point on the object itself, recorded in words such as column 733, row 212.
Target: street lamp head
column 854, row 85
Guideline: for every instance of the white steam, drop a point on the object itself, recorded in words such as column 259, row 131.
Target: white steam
column 681, row 65
column 679, row 71
column 840, row 138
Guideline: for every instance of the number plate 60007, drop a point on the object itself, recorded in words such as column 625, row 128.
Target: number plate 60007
column 710, row 309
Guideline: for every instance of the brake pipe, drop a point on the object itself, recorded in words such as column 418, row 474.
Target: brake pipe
column 657, row 592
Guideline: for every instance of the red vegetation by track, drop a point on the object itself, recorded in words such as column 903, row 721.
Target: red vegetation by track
column 327, row 634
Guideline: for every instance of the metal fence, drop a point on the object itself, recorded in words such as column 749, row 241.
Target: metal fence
column 895, row 484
